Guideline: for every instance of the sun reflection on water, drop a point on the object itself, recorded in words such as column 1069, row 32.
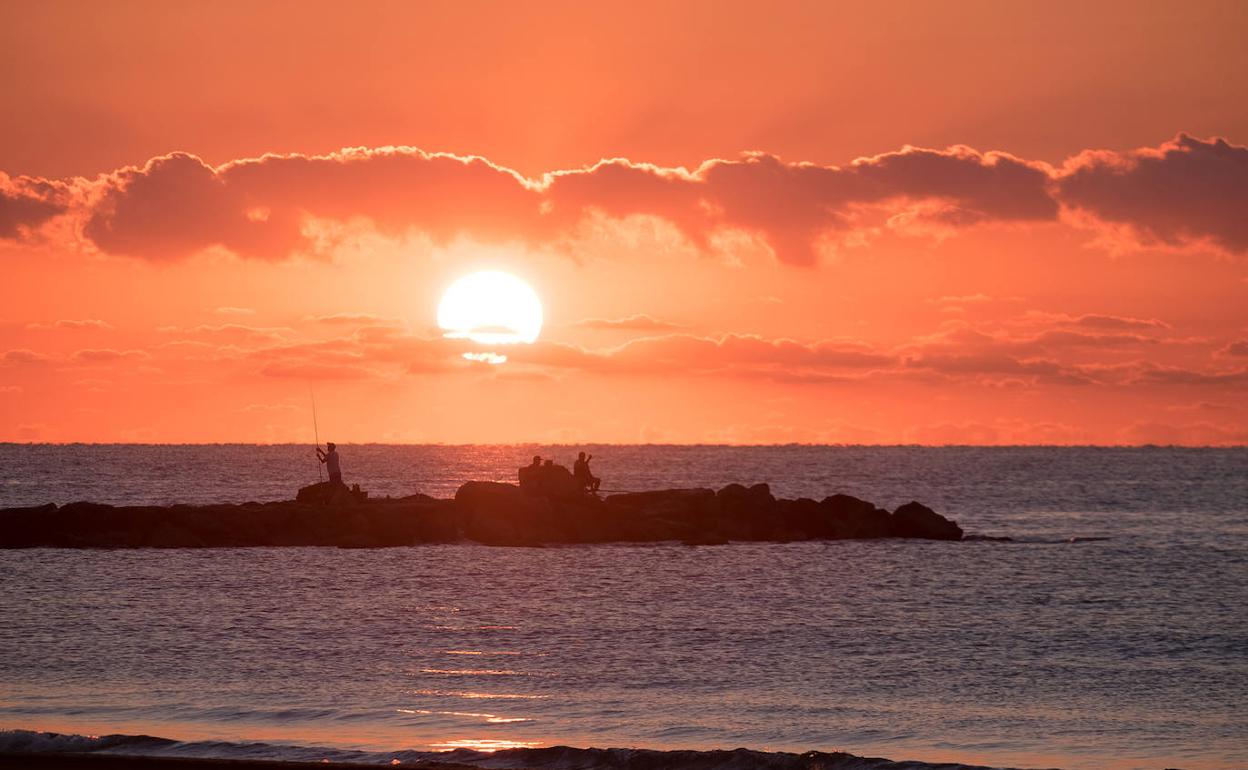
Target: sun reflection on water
column 484, row 744
column 477, row 695
column 474, row 672
column 491, row 718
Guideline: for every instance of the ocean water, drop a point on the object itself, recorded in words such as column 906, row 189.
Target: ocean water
column 1112, row 634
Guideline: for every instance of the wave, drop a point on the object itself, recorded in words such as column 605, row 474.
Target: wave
column 548, row 758
column 1025, row 540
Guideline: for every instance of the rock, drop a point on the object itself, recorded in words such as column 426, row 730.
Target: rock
column 481, row 495
column 802, row 519
column 850, row 517
column 556, row 481
column 746, row 514
column 917, row 520
column 411, row 522
column 168, row 535
column 496, row 514
column 486, row 512
column 664, row 514
column 330, row 493
column 705, row 540
column 27, row 527
column 666, row 499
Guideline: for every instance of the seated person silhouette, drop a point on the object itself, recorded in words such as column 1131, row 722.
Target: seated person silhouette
column 555, row 481
column 530, row 476
column 580, row 471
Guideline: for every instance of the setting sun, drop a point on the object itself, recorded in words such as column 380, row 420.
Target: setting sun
column 491, row 307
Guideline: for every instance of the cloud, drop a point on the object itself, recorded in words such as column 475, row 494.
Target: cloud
column 386, row 352
column 1201, row 406
column 1046, row 353
column 972, row 299
column 270, row 408
column 640, row 322
column 791, row 205
column 351, row 318
column 1186, row 434
column 86, row 323
column 26, row 203
column 1002, row 431
column 24, row 357
column 1236, row 348
column 1185, row 192
column 493, row 359
column 1043, row 348
column 1115, row 323
column 739, row 355
column 1176, row 375
column 237, row 334
column 176, row 205
column 314, row 371
column 30, row 432
column 105, row 355
column 959, row 338
column 234, row 311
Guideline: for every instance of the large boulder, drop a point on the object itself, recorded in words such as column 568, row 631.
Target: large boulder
column 801, row 519
column 330, row 493
column 663, row 514
column 917, row 520
column 27, row 527
column 663, row 499
column 850, row 517
column 552, row 481
column 746, row 513
column 499, row 514
column 414, row 520
column 95, row 525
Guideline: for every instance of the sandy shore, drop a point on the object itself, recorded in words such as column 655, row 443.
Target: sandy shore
column 42, row 761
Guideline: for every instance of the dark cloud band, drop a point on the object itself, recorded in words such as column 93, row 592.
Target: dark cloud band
column 1185, row 192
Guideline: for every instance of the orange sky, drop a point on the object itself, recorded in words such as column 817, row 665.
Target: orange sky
column 824, row 222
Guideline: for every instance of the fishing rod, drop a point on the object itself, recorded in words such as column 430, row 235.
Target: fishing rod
column 316, row 432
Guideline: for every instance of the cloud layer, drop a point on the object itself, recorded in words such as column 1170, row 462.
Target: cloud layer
column 1186, row 192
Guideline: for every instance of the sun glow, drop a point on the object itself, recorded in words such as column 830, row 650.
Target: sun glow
column 491, row 308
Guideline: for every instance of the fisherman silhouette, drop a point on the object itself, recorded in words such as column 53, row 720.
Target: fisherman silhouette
column 580, row 471
column 331, row 461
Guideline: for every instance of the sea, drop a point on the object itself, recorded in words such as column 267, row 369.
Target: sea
column 1110, row 630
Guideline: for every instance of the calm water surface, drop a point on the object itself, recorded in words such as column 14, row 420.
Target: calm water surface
column 1125, row 648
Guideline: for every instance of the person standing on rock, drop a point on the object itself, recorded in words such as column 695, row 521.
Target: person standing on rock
column 331, row 461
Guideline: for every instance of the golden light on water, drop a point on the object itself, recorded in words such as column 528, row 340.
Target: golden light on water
column 485, row 744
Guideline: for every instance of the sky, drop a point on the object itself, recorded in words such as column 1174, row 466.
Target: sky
column 880, row 223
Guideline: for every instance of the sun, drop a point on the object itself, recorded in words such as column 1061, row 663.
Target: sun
column 492, row 308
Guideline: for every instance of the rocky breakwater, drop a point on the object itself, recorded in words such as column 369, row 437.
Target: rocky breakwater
column 484, row 512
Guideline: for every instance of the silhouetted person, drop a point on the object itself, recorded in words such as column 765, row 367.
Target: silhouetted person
column 530, row 475
column 552, row 480
column 331, row 461
column 580, row 471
